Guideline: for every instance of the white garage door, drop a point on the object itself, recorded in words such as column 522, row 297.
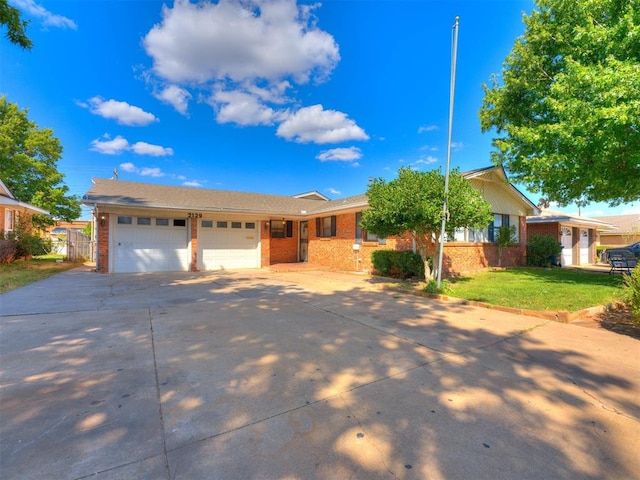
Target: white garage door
column 143, row 244
column 567, row 246
column 584, row 246
column 228, row 244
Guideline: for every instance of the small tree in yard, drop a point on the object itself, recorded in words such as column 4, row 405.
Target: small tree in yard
column 412, row 203
column 505, row 237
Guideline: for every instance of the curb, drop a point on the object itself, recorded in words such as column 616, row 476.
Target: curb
column 561, row 316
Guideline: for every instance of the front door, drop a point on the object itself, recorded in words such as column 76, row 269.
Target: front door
column 304, row 241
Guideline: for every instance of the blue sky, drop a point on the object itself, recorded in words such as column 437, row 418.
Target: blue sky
column 283, row 98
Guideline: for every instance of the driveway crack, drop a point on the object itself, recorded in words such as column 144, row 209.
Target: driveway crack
column 160, row 413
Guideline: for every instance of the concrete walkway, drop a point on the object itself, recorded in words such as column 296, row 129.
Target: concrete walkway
column 302, row 375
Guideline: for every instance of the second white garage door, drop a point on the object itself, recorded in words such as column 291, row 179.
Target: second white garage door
column 228, row 244
column 143, row 244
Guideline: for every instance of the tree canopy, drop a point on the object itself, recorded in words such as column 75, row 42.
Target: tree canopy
column 413, row 203
column 28, row 157
column 567, row 105
column 16, row 27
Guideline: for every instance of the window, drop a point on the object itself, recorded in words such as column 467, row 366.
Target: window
column 281, row 228
column 162, row 222
column 236, row 224
column 363, row 234
column 207, row 223
column 9, row 220
column 125, row 220
column 250, row 225
column 499, row 220
column 326, row 227
column 221, row 224
column 143, row 221
column 179, row 222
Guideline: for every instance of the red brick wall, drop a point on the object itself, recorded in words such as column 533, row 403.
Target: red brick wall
column 102, row 236
column 337, row 252
column 285, row 250
column 194, row 245
column 551, row 229
column 458, row 257
column 265, row 245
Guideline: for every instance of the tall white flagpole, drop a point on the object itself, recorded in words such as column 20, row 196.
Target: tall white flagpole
column 445, row 208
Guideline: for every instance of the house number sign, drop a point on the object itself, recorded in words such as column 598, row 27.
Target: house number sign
column 194, row 215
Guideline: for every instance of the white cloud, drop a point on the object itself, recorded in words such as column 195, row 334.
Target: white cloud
column 349, row 154
column 333, row 191
column 424, row 161
column 144, row 148
column 429, row 148
column 241, row 108
column 128, row 167
column 121, row 144
column 192, row 183
column 176, row 96
column 48, row 19
column 250, row 53
column 314, row 124
column 144, row 171
column 122, row 112
column 240, row 40
column 110, row 147
column 427, row 128
column 151, row 172
column 457, row 145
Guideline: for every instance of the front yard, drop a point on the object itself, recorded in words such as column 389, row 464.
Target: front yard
column 24, row 272
column 540, row 289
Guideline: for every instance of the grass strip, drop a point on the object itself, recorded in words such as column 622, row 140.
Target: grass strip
column 23, row 272
column 540, row 289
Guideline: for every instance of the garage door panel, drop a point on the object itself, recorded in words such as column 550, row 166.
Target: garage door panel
column 228, row 248
column 150, row 248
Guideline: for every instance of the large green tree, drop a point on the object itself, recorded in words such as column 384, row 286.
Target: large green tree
column 28, row 157
column 413, row 203
column 566, row 107
column 16, row 27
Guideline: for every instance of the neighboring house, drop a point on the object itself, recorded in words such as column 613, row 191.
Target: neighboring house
column 61, row 227
column 577, row 235
column 142, row 227
column 12, row 209
column 627, row 230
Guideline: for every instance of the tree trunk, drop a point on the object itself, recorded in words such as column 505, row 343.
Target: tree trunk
column 422, row 244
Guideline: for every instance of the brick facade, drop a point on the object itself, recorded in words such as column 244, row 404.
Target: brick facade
column 337, row 252
column 102, row 237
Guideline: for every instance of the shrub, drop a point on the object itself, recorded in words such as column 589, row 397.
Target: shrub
column 392, row 263
column 632, row 292
column 8, row 250
column 543, row 251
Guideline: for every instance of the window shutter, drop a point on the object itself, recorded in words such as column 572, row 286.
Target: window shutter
column 358, row 227
column 491, row 232
column 333, row 225
column 289, row 232
column 318, row 227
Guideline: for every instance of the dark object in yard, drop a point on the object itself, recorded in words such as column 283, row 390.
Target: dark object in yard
column 634, row 248
column 622, row 261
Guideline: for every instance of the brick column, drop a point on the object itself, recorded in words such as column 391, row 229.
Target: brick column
column 102, row 262
column 194, row 244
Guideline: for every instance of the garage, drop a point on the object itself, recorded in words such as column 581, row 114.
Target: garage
column 146, row 244
column 228, row 244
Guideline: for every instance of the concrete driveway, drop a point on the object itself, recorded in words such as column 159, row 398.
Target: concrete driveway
column 302, row 375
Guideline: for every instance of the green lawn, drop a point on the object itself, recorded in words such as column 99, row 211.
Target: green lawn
column 540, row 289
column 20, row 273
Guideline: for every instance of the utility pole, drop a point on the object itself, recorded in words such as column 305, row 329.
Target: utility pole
column 452, row 87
